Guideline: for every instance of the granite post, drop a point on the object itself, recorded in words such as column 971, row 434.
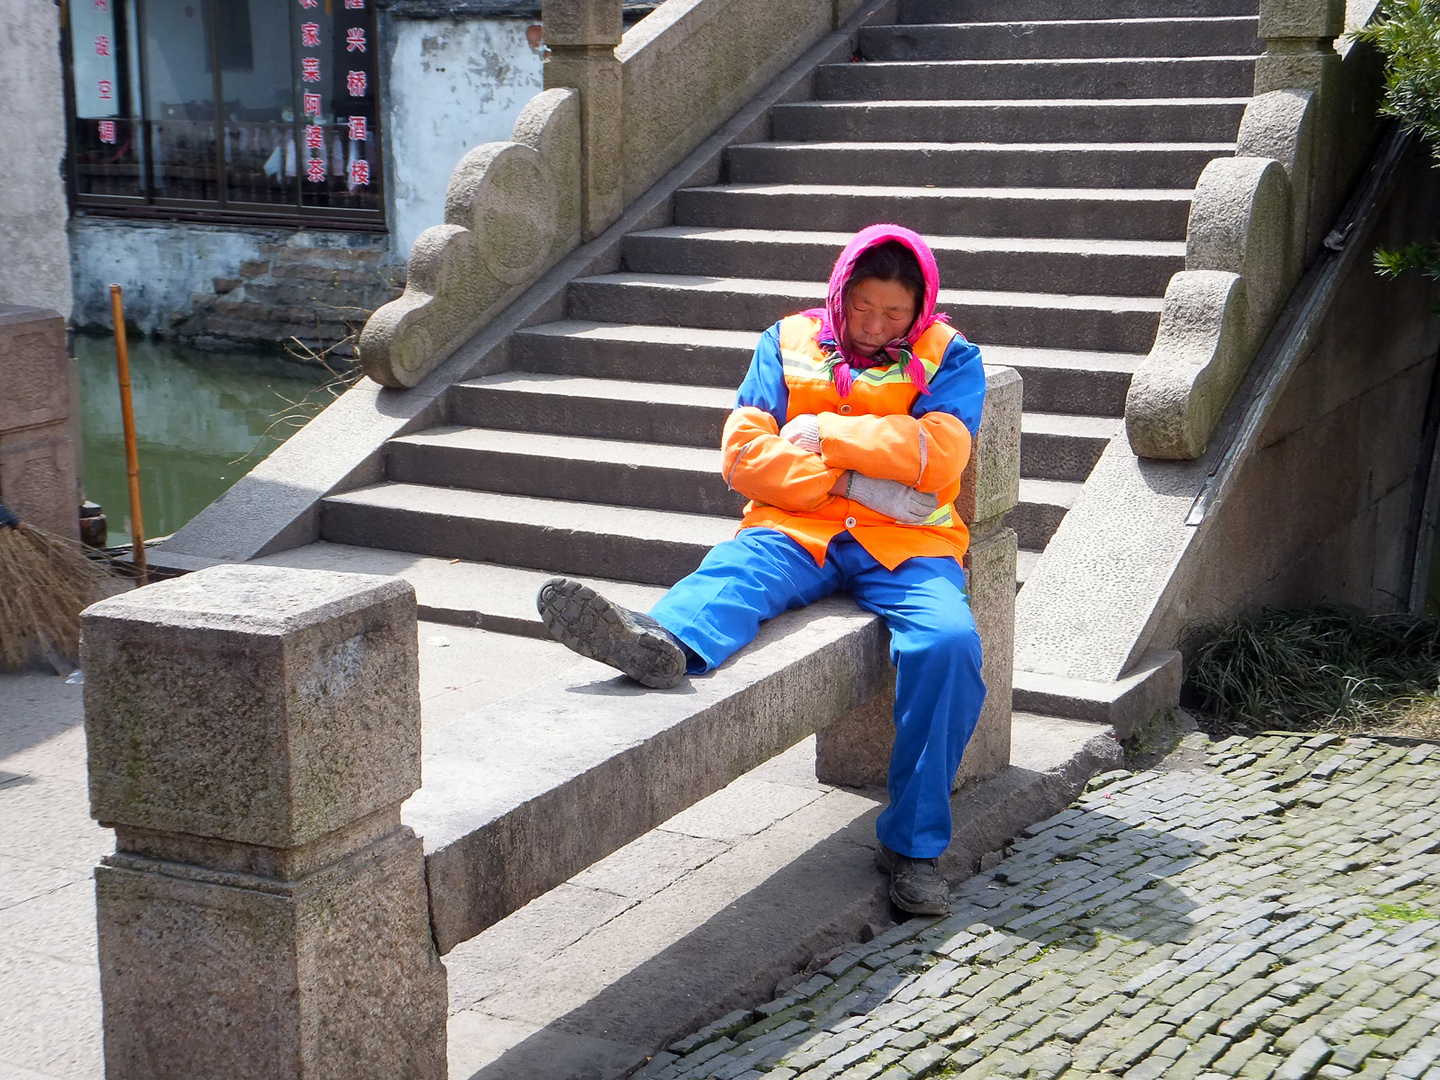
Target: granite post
column 854, row 751
column 581, row 36
column 251, row 734
column 37, row 444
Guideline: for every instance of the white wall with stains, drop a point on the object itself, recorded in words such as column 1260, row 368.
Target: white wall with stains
column 452, row 85
column 36, row 264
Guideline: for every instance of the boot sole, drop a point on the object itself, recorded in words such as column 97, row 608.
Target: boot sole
column 911, row 907
column 585, row 622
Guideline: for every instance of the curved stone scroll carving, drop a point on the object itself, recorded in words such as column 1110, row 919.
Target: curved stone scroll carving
column 1217, row 311
column 512, row 210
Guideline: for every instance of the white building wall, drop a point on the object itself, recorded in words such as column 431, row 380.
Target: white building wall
column 35, row 268
column 452, row 85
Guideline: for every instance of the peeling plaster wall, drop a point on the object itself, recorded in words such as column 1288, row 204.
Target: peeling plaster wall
column 452, row 84
column 36, row 267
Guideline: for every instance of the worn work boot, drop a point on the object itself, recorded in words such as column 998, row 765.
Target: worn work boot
column 584, row 621
column 915, row 884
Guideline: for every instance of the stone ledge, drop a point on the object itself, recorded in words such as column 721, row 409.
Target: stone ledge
column 1125, row 704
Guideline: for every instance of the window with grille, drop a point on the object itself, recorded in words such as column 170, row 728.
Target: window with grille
column 226, row 109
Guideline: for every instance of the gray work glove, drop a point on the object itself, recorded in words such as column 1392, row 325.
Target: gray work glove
column 891, row 498
column 804, row 432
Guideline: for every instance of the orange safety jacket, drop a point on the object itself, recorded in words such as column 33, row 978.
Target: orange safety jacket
column 886, row 428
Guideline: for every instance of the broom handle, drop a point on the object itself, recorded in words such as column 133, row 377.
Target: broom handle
column 127, row 419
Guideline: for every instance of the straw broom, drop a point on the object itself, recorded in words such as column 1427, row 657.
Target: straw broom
column 45, row 582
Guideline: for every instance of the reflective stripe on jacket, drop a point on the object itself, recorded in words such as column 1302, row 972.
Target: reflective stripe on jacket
column 884, row 429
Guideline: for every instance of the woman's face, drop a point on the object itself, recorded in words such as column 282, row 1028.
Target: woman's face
column 876, row 313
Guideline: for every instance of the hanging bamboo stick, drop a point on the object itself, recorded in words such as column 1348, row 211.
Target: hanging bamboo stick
column 127, row 417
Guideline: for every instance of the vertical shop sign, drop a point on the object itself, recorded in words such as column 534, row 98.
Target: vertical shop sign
column 96, row 76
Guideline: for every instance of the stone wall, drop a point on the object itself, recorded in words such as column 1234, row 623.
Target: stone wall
column 37, row 406
column 36, row 268
column 1327, row 508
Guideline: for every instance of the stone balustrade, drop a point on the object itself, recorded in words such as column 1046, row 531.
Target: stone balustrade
column 618, row 112
column 1256, row 221
column 251, row 733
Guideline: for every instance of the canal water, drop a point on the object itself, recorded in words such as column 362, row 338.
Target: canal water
column 202, row 420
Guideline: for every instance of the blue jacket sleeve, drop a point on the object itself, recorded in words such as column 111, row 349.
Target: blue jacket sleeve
column 764, row 384
column 958, row 387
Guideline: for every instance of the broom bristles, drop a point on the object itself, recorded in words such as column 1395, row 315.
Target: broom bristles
column 45, row 582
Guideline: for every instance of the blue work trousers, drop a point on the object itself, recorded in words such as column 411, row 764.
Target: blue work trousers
column 933, row 645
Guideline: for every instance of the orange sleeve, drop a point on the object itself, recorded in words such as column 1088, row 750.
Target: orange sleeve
column 764, row 467
column 928, row 454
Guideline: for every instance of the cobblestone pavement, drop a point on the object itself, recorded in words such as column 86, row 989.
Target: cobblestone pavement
column 1272, row 913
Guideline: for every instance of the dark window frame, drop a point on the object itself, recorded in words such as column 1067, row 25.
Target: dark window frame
column 221, row 210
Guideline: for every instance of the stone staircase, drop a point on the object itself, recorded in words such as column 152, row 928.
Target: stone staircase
column 1049, row 162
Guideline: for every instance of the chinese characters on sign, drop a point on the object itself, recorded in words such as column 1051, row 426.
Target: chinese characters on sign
column 102, row 45
column 359, row 172
column 312, row 104
column 310, row 68
column 355, row 83
column 310, row 35
column 107, row 132
column 355, row 39
column 357, row 128
column 105, row 90
column 315, row 169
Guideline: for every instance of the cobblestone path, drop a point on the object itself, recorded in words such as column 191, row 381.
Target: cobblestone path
column 1275, row 913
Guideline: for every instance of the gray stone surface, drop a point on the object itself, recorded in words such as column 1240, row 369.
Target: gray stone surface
column 37, row 447
column 648, row 944
column 251, row 732
column 36, row 268
column 262, row 705
column 1257, row 911
column 512, row 210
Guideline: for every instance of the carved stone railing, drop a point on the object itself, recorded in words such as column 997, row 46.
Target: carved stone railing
column 618, row 112
column 1257, row 220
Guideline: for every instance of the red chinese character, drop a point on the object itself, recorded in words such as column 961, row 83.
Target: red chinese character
column 315, row 170
column 307, row 4
column 102, row 5
column 105, row 87
column 355, row 39
column 355, row 5
column 312, row 104
column 310, row 68
column 314, row 137
column 358, row 128
column 102, row 45
column 107, row 131
column 355, row 83
column 310, row 35
column 359, row 172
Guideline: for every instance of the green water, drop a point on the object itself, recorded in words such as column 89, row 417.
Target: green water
column 202, row 420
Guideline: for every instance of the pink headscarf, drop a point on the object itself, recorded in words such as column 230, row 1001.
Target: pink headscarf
column 832, row 316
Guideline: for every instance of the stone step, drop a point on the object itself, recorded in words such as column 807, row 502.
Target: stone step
column 958, row 76
column 1043, row 505
column 1053, row 38
column 1056, row 380
column 459, row 592
column 1046, row 320
column 1169, row 120
column 678, row 415
column 950, row 165
column 975, row 11
column 1070, row 380
column 1111, row 267
column 642, row 474
column 1057, row 446
column 1024, row 563
column 687, row 355
column 654, row 547
column 1073, row 213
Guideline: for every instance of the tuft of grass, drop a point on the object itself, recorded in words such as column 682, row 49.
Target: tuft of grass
column 1405, row 913
column 1318, row 669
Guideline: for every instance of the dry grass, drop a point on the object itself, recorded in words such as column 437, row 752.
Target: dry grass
column 45, row 582
column 1321, row 669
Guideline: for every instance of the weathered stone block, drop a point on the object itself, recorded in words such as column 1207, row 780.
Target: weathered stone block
column 582, row 22
column 263, row 705
column 990, row 487
column 33, row 368
column 1302, row 19
column 37, row 478
column 210, row 973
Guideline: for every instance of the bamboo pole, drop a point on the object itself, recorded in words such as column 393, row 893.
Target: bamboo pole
column 127, row 418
